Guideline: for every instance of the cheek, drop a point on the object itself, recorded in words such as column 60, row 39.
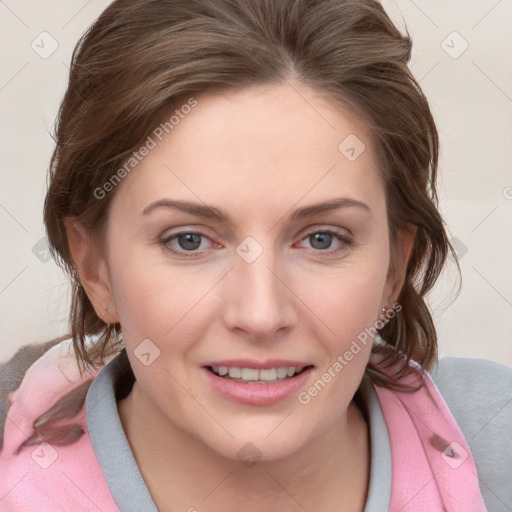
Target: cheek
column 171, row 306
column 345, row 303
column 150, row 299
column 346, row 308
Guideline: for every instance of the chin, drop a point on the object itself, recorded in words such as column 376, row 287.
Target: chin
column 251, row 449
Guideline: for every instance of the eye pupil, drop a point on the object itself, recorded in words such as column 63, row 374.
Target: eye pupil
column 189, row 241
column 324, row 240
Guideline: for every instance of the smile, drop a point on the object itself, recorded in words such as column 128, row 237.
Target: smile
column 257, row 386
column 255, row 375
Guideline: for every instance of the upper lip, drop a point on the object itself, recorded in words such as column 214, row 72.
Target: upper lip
column 259, row 365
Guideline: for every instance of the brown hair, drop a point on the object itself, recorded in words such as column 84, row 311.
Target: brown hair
column 142, row 57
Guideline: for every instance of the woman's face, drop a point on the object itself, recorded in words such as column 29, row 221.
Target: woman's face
column 250, row 272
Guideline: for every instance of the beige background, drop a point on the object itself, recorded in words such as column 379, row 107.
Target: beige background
column 470, row 91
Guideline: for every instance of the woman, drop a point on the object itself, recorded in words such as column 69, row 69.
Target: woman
column 243, row 193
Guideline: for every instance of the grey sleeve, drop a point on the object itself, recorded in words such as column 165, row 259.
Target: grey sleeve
column 478, row 392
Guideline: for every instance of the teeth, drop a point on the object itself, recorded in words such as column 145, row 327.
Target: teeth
column 253, row 374
column 235, row 373
column 282, row 373
column 247, row 373
column 268, row 374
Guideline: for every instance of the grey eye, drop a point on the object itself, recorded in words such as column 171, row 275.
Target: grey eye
column 320, row 240
column 189, row 241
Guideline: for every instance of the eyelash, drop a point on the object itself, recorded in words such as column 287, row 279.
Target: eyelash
column 190, row 254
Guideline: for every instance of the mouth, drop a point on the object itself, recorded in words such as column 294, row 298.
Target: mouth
column 257, row 382
column 267, row 376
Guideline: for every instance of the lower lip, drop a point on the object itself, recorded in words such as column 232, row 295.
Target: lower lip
column 257, row 394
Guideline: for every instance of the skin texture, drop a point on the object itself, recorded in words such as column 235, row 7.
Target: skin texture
column 257, row 154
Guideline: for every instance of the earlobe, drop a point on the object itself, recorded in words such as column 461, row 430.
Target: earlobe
column 92, row 270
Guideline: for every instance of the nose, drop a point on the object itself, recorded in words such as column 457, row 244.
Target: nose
column 259, row 299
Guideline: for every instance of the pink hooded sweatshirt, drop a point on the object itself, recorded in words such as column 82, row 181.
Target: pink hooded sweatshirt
column 432, row 467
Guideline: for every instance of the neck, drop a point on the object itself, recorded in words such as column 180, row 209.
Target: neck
column 328, row 474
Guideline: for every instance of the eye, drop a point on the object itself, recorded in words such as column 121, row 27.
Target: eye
column 190, row 243
column 322, row 241
column 184, row 242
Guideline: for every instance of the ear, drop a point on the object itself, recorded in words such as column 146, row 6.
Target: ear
column 92, row 270
column 397, row 268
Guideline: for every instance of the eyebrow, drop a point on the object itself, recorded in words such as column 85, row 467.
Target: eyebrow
column 210, row 212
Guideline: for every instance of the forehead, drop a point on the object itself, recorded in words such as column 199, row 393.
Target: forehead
column 260, row 144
